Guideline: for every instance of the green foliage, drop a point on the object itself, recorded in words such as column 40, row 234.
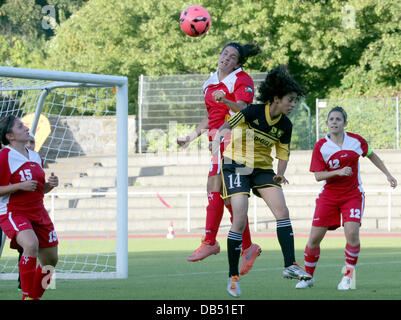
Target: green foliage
column 20, row 17
column 65, row 8
column 25, row 18
column 377, row 73
column 19, row 52
column 303, row 124
column 334, row 48
column 373, row 119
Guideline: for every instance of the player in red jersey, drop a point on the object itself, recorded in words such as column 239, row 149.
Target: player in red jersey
column 23, row 217
column 2, row 234
column 335, row 160
column 227, row 91
column 30, row 144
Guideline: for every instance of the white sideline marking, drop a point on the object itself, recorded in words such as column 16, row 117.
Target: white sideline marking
column 10, row 283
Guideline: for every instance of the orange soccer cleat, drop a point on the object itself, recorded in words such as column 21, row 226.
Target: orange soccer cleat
column 249, row 256
column 205, row 250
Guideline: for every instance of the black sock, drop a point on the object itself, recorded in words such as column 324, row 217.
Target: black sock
column 234, row 243
column 286, row 239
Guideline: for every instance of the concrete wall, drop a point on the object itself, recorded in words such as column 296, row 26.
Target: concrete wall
column 89, row 136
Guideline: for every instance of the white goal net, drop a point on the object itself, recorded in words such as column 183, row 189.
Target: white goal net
column 80, row 126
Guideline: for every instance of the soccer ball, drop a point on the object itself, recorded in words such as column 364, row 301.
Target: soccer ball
column 195, row 21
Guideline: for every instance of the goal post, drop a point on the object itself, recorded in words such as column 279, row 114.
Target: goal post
column 90, row 99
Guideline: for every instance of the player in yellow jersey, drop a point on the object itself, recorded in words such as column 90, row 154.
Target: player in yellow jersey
column 248, row 164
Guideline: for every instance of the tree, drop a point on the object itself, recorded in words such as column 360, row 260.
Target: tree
column 333, row 48
column 20, row 17
column 18, row 52
column 378, row 70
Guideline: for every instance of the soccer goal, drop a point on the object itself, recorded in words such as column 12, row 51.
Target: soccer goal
column 81, row 131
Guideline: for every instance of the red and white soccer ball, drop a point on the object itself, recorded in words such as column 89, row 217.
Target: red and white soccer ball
column 195, row 21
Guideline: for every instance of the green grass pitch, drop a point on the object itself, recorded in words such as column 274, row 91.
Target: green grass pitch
column 158, row 270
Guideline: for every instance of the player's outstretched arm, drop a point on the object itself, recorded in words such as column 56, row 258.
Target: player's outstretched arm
column 199, row 130
column 379, row 164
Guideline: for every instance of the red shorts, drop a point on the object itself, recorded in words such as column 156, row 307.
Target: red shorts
column 330, row 209
column 14, row 222
column 215, row 163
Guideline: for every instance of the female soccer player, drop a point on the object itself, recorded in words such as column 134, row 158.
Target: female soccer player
column 23, row 216
column 2, row 235
column 335, row 161
column 227, row 91
column 30, row 144
column 248, row 164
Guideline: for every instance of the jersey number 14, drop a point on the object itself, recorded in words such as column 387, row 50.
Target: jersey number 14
column 236, row 182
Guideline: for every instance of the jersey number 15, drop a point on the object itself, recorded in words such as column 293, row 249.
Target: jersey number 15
column 25, row 174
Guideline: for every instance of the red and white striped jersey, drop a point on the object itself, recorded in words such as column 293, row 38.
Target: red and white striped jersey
column 16, row 168
column 238, row 86
column 328, row 156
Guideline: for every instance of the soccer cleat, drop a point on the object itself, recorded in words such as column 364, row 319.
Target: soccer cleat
column 233, row 286
column 296, row 272
column 345, row 283
column 303, row 284
column 205, row 250
column 249, row 256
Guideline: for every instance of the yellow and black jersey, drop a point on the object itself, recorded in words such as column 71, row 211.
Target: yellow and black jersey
column 254, row 134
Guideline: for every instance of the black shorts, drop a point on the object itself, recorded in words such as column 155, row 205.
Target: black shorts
column 239, row 179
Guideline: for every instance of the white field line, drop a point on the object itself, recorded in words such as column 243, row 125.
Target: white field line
column 254, row 270
column 13, row 283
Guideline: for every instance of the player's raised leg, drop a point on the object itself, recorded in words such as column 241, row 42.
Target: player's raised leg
column 214, row 214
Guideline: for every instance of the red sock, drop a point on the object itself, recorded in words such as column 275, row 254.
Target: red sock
column 39, row 283
column 214, row 214
column 311, row 259
column 351, row 258
column 27, row 266
column 246, row 235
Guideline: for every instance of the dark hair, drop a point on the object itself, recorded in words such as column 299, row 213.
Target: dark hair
column 5, row 127
column 278, row 83
column 245, row 51
column 338, row 109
